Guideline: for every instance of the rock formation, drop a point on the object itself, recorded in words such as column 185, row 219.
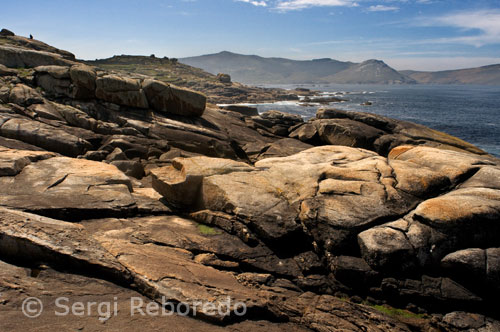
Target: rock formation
column 116, row 186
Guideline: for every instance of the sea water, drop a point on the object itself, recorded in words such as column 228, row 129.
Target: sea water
column 469, row 112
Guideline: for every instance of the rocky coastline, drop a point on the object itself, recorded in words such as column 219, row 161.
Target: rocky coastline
column 116, row 185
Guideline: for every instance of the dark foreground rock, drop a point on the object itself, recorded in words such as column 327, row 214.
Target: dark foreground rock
column 115, row 186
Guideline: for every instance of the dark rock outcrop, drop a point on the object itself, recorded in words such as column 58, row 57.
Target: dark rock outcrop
column 373, row 132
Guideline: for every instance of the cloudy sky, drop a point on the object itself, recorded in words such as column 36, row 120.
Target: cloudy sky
column 407, row 34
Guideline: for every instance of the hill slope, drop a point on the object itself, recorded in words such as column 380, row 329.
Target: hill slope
column 486, row 75
column 172, row 71
column 252, row 69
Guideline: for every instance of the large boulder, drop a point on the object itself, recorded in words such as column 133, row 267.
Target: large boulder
column 54, row 79
column 180, row 183
column 171, row 99
column 478, row 268
column 276, row 122
column 84, row 81
column 24, row 95
column 458, row 219
column 121, row 90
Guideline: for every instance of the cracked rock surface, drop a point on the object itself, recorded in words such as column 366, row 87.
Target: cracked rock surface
column 115, row 186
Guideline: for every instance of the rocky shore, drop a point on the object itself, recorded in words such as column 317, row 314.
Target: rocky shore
column 117, row 186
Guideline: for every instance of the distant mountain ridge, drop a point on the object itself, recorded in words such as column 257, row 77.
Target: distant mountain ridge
column 486, row 75
column 253, row 69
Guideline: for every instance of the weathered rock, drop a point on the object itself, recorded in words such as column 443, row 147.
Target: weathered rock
column 242, row 109
column 332, row 201
column 469, row 322
column 116, row 154
column 17, row 57
column 44, row 136
column 57, row 72
column 6, row 32
column 180, row 183
column 348, row 133
column 12, row 161
column 84, row 81
column 171, row 273
column 24, row 95
column 130, row 168
column 99, row 155
column 284, row 147
column 374, row 132
column 224, row 78
column 70, row 189
column 171, row 99
column 121, row 90
column 463, row 218
column 48, row 285
column 353, row 272
column 436, row 293
column 18, row 145
column 35, row 240
column 477, row 268
column 464, row 210
column 278, row 123
column 387, row 248
column 306, row 133
column 4, row 71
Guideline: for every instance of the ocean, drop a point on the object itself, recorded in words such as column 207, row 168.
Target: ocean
column 469, row 112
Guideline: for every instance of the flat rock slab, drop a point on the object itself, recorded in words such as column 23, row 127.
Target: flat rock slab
column 48, row 285
column 163, row 271
column 33, row 239
column 71, row 189
column 44, row 136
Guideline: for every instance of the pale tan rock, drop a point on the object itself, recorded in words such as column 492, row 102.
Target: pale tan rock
column 13, row 161
column 181, row 182
column 71, row 189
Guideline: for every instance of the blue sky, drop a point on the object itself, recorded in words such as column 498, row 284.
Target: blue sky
column 407, row 34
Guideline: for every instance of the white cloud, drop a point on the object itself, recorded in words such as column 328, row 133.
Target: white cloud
column 484, row 25
column 255, row 3
column 382, row 8
column 286, row 5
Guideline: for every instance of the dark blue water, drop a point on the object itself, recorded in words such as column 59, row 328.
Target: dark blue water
column 471, row 113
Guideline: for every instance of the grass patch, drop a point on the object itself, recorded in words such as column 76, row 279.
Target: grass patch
column 395, row 312
column 207, row 230
column 23, row 72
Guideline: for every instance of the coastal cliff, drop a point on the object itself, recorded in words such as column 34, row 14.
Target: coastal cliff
column 116, row 186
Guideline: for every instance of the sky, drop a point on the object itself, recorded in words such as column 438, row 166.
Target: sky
column 406, row 34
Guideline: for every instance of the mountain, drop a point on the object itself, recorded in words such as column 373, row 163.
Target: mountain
column 486, row 75
column 253, row 69
column 369, row 72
